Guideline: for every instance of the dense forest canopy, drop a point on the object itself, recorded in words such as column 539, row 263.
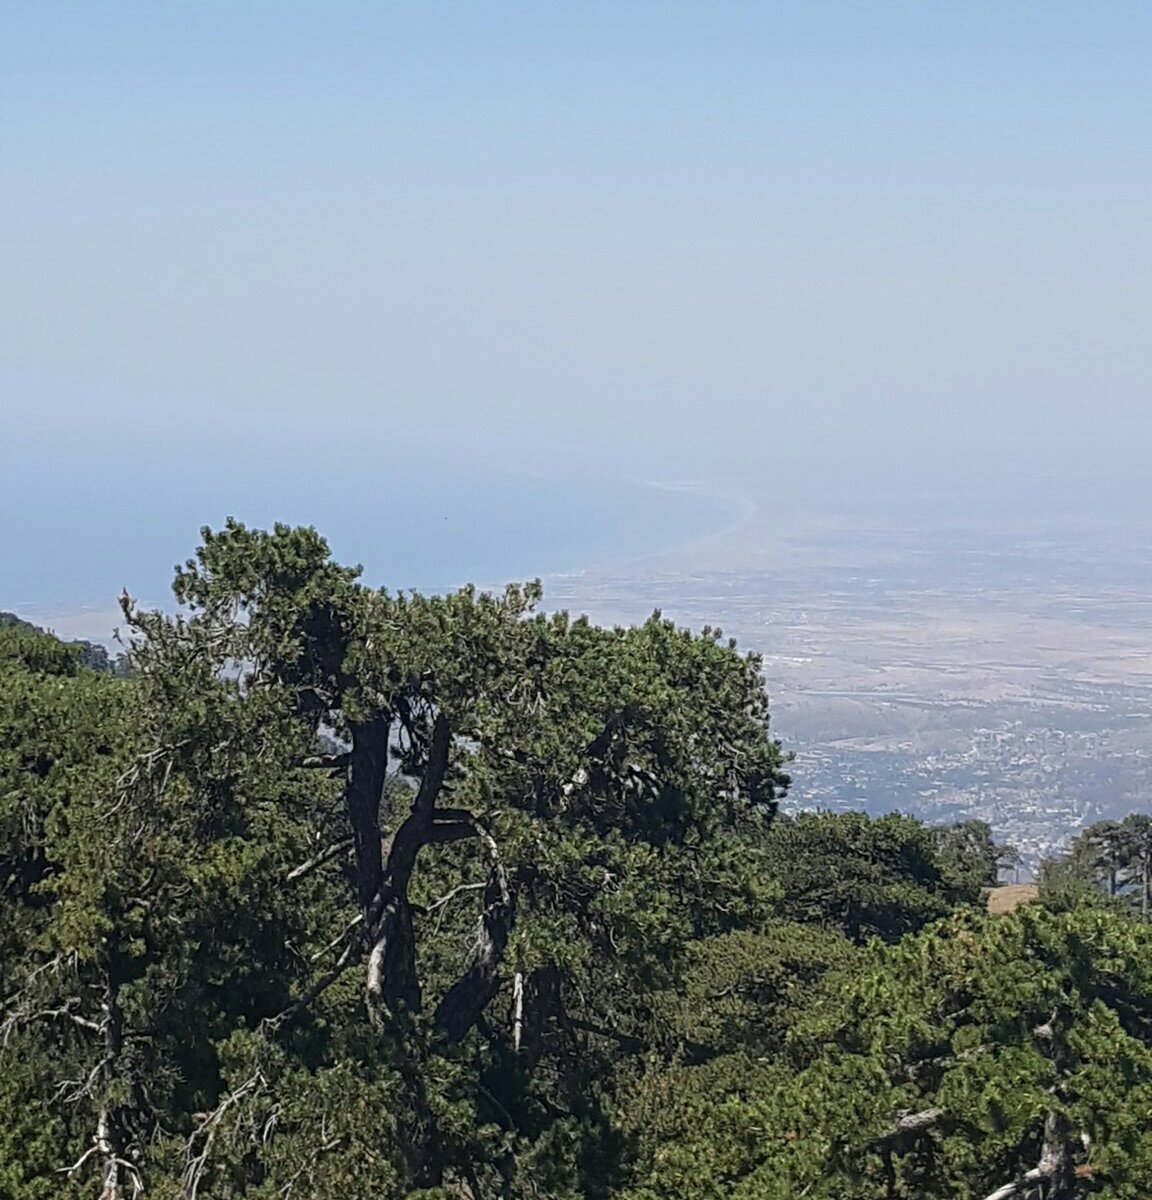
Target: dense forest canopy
column 332, row 892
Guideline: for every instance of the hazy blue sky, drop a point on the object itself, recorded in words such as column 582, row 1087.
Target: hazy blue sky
column 809, row 247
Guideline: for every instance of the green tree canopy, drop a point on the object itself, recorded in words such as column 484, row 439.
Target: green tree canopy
column 866, row 877
column 338, row 892
column 508, row 825
column 981, row 1057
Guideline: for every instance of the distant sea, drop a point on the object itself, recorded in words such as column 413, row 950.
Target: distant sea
column 74, row 539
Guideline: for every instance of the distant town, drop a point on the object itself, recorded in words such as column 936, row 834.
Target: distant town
column 947, row 674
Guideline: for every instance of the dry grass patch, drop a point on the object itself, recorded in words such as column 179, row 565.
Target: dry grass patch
column 1007, row 899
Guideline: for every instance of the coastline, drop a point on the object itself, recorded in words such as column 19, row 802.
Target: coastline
column 485, row 530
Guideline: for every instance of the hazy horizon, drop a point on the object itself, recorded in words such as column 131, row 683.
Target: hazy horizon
column 336, row 263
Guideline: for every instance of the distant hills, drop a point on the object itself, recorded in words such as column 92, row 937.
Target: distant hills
column 92, row 655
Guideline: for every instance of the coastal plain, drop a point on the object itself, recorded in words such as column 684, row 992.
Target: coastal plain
column 951, row 672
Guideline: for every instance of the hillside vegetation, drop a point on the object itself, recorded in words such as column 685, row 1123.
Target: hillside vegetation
column 330, row 893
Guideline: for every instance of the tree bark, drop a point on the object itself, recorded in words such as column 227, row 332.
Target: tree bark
column 1055, row 1172
column 392, row 981
column 110, row 1139
column 1056, row 1165
column 367, row 770
column 517, row 1011
column 1144, row 882
column 465, row 1001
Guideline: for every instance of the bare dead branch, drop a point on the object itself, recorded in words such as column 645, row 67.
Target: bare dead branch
column 323, row 762
column 915, row 1122
column 19, row 1008
column 196, row 1163
column 319, row 859
column 451, row 895
column 1055, row 1166
column 79, row 1162
column 517, row 1010
column 327, row 1144
column 350, row 956
column 112, row 1189
column 336, row 941
column 1016, row 1186
column 72, row 1090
